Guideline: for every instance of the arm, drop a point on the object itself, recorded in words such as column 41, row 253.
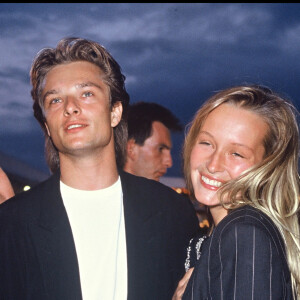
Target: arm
column 248, row 265
column 6, row 189
column 182, row 285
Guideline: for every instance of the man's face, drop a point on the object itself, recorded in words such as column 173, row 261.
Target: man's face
column 154, row 158
column 77, row 109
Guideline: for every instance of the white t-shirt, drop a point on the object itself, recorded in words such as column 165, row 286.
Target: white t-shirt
column 97, row 222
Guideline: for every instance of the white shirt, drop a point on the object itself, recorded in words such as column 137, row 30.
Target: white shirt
column 97, row 222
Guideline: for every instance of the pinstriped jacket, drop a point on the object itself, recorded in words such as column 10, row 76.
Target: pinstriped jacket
column 243, row 259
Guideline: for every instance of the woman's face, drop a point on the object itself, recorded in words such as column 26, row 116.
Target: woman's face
column 230, row 141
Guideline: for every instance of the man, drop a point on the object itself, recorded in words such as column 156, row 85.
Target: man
column 91, row 231
column 6, row 189
column 149, row 140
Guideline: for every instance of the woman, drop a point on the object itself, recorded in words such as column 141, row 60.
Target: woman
column 241, row 161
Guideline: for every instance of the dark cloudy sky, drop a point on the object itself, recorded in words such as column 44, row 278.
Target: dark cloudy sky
column 173, row 54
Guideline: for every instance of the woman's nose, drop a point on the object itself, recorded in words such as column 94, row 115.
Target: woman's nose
column 215, row 162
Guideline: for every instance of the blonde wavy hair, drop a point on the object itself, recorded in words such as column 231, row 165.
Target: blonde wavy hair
column 271, row 186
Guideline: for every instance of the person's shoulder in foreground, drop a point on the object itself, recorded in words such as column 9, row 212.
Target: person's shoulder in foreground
column 251, row 224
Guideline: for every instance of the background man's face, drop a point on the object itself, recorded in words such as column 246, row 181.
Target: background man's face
column 154, row 158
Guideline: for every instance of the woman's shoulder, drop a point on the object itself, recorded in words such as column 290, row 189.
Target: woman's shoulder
column 247, row 225
column 246, row 216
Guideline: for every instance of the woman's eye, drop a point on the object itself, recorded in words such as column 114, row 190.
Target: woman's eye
column 237, row 154
column 204, row 143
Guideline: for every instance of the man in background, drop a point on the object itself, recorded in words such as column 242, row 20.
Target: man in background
column 149, row 146
column 149, row 139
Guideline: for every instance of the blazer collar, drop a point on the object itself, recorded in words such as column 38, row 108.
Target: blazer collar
column 141, row 223
column 53, row 210
column 52, row 207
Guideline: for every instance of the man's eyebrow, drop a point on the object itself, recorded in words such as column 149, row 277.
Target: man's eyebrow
column 79, row 85
column 165, row 146
column 88, row 83
column 50, row 92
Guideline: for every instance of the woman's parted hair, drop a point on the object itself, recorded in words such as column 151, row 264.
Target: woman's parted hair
column 72, row 50
column 273, row 185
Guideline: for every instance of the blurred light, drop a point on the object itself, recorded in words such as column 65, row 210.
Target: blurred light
column 26, row 188
column 204, row 223
column 181, row 190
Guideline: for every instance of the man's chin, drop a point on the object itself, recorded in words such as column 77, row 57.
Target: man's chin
column 159, row 175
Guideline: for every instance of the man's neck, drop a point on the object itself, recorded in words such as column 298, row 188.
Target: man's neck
column 127, row 167
column 88, row 173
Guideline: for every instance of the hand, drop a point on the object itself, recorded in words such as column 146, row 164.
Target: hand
column 182, row 285
column 6, row 189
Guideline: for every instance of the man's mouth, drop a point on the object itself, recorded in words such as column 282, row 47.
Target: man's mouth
column 75, row 126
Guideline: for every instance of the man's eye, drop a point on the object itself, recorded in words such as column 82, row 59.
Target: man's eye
column 55, row 100
column 87, row 94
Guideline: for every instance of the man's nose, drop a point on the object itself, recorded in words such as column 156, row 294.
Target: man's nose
column 168, row 159
column 71, row 106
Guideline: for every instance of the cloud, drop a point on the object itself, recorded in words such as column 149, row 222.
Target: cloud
column 176, row 54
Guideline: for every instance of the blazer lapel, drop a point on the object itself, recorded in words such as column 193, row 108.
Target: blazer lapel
column 55, row 245
column 142, row 225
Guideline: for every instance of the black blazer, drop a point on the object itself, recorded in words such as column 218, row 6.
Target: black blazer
column 243, row 259
column 38, row 257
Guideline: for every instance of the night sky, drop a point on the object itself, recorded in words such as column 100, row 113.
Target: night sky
column 177, row 55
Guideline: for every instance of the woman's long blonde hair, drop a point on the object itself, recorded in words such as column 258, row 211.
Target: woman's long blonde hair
column 273, row 185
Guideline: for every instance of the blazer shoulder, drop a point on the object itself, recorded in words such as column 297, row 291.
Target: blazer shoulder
column 156, row 196
column 247, row 219
column 248, row 215
column 147, row 188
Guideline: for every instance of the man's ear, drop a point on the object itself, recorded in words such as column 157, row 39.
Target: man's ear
column 116, row 114
column 131, row 149
column 47, row 128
